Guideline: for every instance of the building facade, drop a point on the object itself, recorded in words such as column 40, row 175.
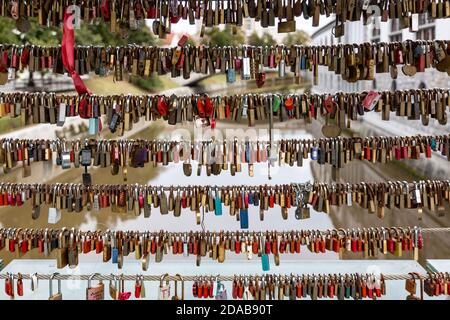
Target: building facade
column 357, row 32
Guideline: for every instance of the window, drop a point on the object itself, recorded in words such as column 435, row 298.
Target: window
column 424, row 19
column 428, row 33
column 396, row 37
column 375, row 32
column 395, row 25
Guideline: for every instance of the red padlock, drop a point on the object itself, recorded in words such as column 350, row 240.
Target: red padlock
column 180, row 246
column 370, row 292
column 275, row 245
column 9, row 286
column 298, row 289
column 354, row 245
column 360, row 247
column 428, row 151
column 297, row 246
column 397, row 153
column 175, row 248
column 331, row 290
column 237, row 246
column 211, row 290
column 390, row 245
column 240, row 290
column 420, row 65
column 227, row 111
column 405, row 153
column 19, row 285
column 19, row 154
column 271, row 201
column 195, row 289
column 336, row 245
column 99, row 246
column 363, row 291
column 12, row 245
column 19, row 201
column 200, row 290
column 234, row 289
column 153, row 246
column 317, row 245
column 190, row 247
column 24, row 246
column 206, row 289
column 137, row 289
column 255, row 246
column 184, row 200
column 398, row 56
column 268, row 247
column 322, row 246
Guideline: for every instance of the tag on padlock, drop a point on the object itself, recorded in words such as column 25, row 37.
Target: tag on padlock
column 371, row 100
column 61, row 115
column 65, row 160
column 365, row 5
column 54, row 215
column 201, row 122
column 86, row 156
column 93, row 126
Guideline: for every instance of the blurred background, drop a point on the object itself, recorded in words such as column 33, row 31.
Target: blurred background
column 250, row 33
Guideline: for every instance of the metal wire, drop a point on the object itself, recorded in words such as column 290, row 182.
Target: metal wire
column 79, row 186
column 243, row 233
column 112, row 277
column 90, row 142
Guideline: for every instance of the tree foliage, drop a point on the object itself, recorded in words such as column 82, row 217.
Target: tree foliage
column 265, row 40
column 225, row 37
column 36, row 35
column 299, row 37
column 94, row 34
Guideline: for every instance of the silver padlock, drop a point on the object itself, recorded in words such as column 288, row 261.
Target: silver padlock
column 245, row 74
column 58, row 295
column 282, row 66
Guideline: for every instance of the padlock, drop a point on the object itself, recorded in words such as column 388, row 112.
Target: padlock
column 113, row 290
column 221, row 292
column 164, row 288
column 178, row 278
column 122, row 294
column 97, row 292
column 58, row 295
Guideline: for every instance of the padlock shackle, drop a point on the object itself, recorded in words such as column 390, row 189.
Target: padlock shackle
column 91, row 277
column 50, row 285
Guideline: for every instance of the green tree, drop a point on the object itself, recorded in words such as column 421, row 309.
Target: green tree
column 99, row 34
column 88, row 34
column 298, row 37
column 265, row 40
column 36, row 35
column 225, row 37
column 95, row 34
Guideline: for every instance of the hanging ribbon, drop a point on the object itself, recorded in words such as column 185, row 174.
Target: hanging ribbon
column 67, row 47
column 67, row 50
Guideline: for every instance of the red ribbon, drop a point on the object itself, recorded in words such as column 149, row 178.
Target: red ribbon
column 67, row 48
column 68, row 59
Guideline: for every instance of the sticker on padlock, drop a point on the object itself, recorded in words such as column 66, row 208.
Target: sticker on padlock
column 164, row 288
column 371, row 100
column 96, row 292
